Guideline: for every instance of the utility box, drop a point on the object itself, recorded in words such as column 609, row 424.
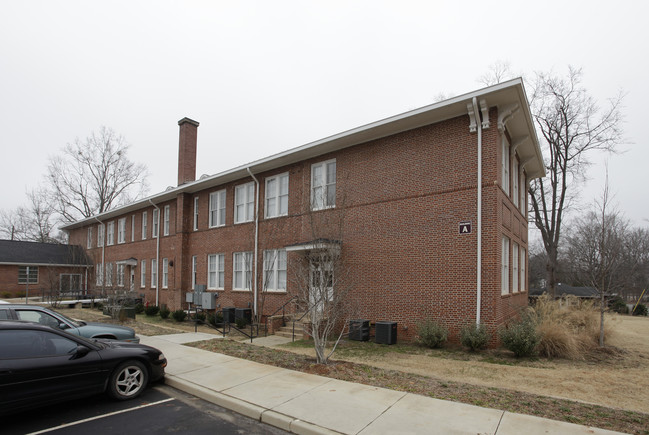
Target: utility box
column 386, row 332
column 243, row 313
column 228, row 314
column 192, row 298
column 208, row 300
column 359, row 330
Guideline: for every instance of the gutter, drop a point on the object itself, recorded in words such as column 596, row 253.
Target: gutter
column 254, row 284
column 157, row 256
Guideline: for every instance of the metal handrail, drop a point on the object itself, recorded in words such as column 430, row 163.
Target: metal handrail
column 277, row 311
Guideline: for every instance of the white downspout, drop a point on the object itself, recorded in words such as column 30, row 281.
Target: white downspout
column 479, row 229
column 157, row 255
column 254, row 284
column 103, row 256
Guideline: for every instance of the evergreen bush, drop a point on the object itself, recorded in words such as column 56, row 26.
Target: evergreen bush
column 520, row 337
column 164, row 312
column 431, row 334
column 474, row 337
column 179, row 315
column 151, row 310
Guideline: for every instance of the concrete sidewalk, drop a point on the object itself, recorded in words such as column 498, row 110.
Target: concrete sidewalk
column 310, row 404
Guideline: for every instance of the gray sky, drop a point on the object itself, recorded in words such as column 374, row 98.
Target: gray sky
column 263, row 77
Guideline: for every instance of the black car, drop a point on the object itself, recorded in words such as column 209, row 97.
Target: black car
column 41, row 365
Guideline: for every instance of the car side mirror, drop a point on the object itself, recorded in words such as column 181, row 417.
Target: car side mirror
column 81, row 351
column 63, row 325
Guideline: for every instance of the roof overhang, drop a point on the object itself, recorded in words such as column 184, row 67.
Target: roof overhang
column 315, row 245
column 502, row 95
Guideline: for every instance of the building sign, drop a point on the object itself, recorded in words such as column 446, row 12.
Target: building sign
column 465, row 227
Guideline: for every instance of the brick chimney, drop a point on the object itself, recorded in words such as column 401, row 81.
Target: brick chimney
column 187, row 150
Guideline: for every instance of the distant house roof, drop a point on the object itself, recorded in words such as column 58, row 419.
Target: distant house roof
column 565, row 289
column 42, row 254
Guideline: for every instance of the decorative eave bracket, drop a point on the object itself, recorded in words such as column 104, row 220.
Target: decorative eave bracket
column 475, row 117
column 506, row 114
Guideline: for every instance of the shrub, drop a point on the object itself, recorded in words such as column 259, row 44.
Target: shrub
column 139, row 309
column 215, row 319
column 152, row 310
column 179, row 315
column 431, row 334
column 640, row 310
column 164, row 312
column 200, row 316
column 618, row 305
column 241, row 322
column 474, row 337
column 520, row 337
column 6, row 295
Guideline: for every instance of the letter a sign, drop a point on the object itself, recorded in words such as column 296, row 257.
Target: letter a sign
column 465, row 228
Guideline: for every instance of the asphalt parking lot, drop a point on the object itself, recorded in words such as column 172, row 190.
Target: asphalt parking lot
column 160, row 409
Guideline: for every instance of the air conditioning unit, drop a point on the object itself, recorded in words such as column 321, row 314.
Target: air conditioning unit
column 386, row 332
column 359, row 330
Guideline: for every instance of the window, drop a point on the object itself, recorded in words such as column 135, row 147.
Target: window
column 505, row 165
column 515, row 267
column 154, row 222
column 143, row 273
column 515, row 179
column 20, row 344
column 196, row 213
column 217, row 209
column 166, row 220
column 100, row 235
column 244, row 203
column 523, row 189
column 504, row 277
column 89, row 239
column 275, row 270
column 121, row 230
column 99, row 274
column 165, row 272
column 109, row 274
column 110, row 233
column 194, row 271
column 216, row 271
column 144, row 222
column 523, row 276
column 154, row 273
column 242, row 266
column 69, row 282
column 28, row 275
column 120, row 275
column 277, row 196
column 323, row 185
column 132, row 228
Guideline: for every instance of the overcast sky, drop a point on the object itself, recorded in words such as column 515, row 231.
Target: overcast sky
column 263, row 77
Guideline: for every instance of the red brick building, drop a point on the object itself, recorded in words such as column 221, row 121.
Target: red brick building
column 403, row 193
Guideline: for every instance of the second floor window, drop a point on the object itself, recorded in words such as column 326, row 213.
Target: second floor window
column 217, row 209
column 323, row 185
column 196, row 213
column 244, row 203
column 154, row 223
column 277, row 196
column 121, row 230
column 110, row 233
column 89, row 241
column 166, row 220
column 144, row 222
column 100, row 235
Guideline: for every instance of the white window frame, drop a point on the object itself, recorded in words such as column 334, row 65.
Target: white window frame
column 144, row 225
column 275, row 268
column 167, row 218
column 154, row 273
column 132, row 228
column 244, row 203
column 217, row 209
column 194, row 271
column 27, row 275
column 323, row 187
column 516, row 179
column 504, row 262
column 100, row 235
column 523, row 280
column 523, row 193
column 216, row 271
column 196, row 213
column 89, row 238
column 143, row 273
column 242, row 271
column 120, row 275
column 121, row 230
column 515, row 264
column 505, row 165
column 154, row 223
column 99, row 274
column 110, row 233
column 276, row 192
column 165, row 273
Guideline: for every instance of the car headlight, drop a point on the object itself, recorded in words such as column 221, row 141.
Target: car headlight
column 161, row 357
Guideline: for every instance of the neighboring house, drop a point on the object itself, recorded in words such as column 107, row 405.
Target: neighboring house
column 404, row 189
column 563, row 290
column 41, row 267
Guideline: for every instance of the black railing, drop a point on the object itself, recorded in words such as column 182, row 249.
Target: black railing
column 282, row 309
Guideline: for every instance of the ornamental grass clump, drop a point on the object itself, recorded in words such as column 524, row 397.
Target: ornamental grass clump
column 431, row 334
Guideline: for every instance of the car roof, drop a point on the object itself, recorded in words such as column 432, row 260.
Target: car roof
column 24, row 306
column 23, row 324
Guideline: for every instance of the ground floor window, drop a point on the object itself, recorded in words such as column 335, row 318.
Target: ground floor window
column 505, row 266
column 69, row 282
column 28, row 275
column 242, row 279
column 275, row 270
column 216, row 271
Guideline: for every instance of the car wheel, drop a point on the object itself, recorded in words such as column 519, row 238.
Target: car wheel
column 128, row 380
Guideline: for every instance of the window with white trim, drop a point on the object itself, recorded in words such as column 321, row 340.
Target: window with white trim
column 242, row 266
column 276, row 196
column 196, row 213
column 194, row 271
column 120, row 275
column 165, row 272
column 166, row 220
column 516, row 179
column 244, row 203
column 110, row 233
column 100, row 235
column 216, row 271
column 154, row 273
column 515, row 264
column 154, row 222
column 109, row 274
column 217, row 209
column 143, row 273
column 132, row 228
column 27, row 274
column 505, row 165
column 323, row 185
column 523, row 275
column 275, row 270
column 504, row 262
column 121, row 230
column 89, row 239
column 523, row 193
column 144, row 224
column 99, row 274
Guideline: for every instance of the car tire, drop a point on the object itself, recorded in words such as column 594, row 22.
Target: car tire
column 128, row 380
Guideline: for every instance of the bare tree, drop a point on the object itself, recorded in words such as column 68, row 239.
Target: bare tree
column 94, row 175
column 498, row 72
column 34, row 222
column 572, row 127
